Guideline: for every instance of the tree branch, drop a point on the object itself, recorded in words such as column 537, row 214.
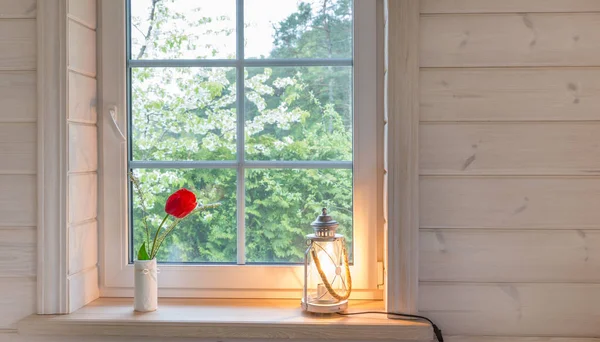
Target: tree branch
column 150, row 27
column 137, row 28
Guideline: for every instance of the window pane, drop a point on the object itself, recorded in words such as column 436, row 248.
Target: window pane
column 299, row 113
column 183, row 113
column 183, row 29
column 281, row 205
column 208, row 236
column 298, row 29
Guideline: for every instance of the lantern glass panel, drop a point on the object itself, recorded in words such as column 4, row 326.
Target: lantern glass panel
column 329, row 255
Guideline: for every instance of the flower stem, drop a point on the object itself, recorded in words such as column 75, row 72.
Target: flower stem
column 140, row 193
column 156, row 236
column 163, row 237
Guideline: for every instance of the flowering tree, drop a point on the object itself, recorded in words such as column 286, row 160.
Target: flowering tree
column 292, row 113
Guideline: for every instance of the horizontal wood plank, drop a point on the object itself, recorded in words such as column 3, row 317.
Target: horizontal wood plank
column 17, row 96
column 83, row 197
column 510, row 40
column 83, row 148
column 18, row 200
column 226, row 319
column 82, row 49
column 536, row 148
column 83, row 246
column 510, row 202
column 17, row 300
column 83, row 11
column 509, row 256
column 18, row 148
column 518, row 339
column 15, row 337
column 510, row 6
column 17, row 9
column 82, row 98
column 17, row 44
column 512, row 309
column 83, row 288
column 514, row 94
column 18, row 252
column 12, row 336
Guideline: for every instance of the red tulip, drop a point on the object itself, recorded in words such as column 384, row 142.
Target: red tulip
column 181, row 203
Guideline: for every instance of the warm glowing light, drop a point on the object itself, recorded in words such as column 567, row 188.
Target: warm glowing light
column 327, row 264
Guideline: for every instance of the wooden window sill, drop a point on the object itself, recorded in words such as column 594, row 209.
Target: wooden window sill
column 227, row 319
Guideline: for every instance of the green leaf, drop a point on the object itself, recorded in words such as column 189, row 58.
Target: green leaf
column 142, row 253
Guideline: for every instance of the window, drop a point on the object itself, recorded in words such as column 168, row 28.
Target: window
column 265, row 106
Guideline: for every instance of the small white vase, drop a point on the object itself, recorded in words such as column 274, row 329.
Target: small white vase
column 145, row 297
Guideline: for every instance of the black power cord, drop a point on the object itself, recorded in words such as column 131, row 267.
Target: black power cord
column 437, row 331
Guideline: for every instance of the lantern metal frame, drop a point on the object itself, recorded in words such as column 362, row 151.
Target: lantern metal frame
column 325, row 231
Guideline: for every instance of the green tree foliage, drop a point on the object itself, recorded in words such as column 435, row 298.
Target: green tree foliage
column 181, row 114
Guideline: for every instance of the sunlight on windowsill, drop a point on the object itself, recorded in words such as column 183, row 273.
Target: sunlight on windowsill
column 225, row 318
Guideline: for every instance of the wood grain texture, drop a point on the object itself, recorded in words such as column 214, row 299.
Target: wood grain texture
column 83, row 11
column 510, row 202
column 509, row 256
column 83, row 288
column 18, row 148
column 17, row 300
column 518, row 339
column 82, row 98
column 17, row 252
column 508, row 6
column 510, row 40
column 536, row 148
column 12, row 336
column 83, row 247
column 82, row 197
column 17, row 9
column 382, row 202
column 17, row 44
column 17, row 200
column 403, row 156
column 512, row 309
column 222, row 318
column 52, row 174
column 514, row 94
column 82, row 49
column 83, row 147
column 17, row 94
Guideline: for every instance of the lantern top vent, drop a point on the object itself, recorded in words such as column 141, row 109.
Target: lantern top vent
column 324, row 225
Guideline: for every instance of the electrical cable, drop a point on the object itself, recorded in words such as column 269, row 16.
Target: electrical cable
column 436, row 330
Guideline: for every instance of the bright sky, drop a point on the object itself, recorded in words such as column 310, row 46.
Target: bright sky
column 260, row 16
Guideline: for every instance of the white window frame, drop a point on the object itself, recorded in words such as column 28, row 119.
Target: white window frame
column 232, row 281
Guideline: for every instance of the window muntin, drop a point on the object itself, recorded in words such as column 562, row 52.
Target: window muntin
column 270, row 139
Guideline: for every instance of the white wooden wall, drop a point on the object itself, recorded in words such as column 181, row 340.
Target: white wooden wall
column 18, row 154
column 17, row 160
column 510, row 168
column 510, row 187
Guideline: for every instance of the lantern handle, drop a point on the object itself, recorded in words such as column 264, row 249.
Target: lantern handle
column 323, row 276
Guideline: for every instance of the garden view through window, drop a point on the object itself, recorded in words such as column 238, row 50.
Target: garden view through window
column 248, row 103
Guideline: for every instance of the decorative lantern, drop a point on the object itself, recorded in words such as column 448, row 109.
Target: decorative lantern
column 327, row 280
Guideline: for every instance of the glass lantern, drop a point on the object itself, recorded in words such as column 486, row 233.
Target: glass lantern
column 327, row 280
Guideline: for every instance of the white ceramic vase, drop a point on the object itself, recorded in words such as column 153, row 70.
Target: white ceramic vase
column 145, row 297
